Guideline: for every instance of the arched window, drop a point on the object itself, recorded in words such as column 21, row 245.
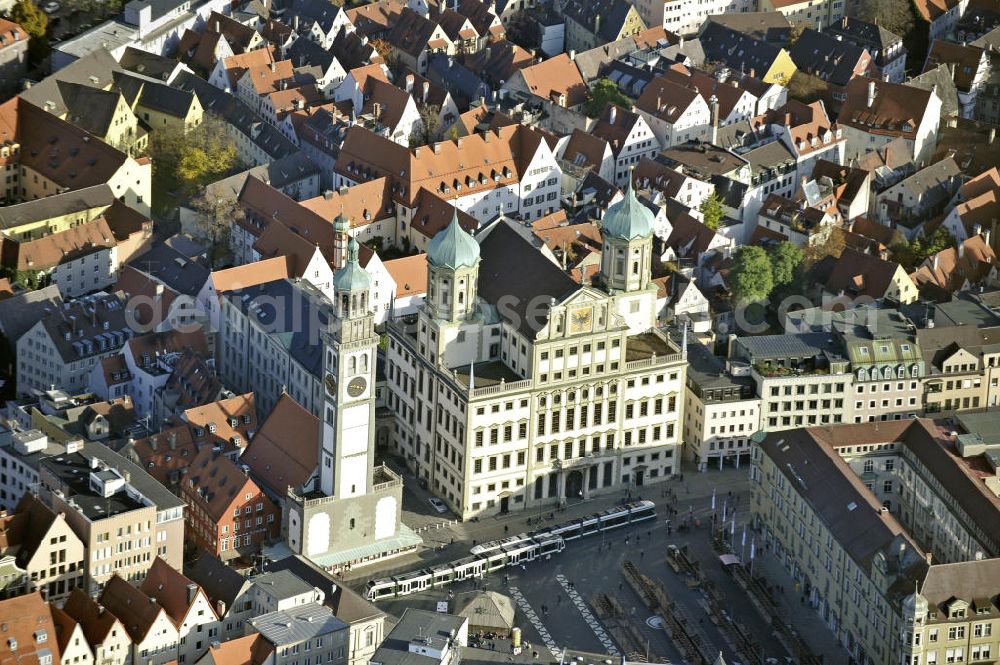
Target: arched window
column 861, row 375
column 364, row 362
column 352, row 523
column 352, row 365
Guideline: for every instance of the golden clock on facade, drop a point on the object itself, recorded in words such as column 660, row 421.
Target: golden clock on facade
column 581, row 320
column 356, row 387
column 331, row 385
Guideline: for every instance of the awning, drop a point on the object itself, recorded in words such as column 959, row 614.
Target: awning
column 729, row 559
column 406, row 539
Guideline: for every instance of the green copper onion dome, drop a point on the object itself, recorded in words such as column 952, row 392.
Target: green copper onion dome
column 453, row 248
column 352, row 277
column 628, row 219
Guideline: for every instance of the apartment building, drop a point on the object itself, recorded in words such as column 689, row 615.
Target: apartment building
column 888, row 53
column 307, row 628
column 186, row 605
column 269, row 342
column 124, row 517
column 48, row 556
column 593, row 24
column 721, row 410
column 962, row 368
column 875, row 113
column 685, row 17
column 151, row 631
column 105, row 633
column 13, row 54
column 629, row 136
column 35, row 631
column 861, row 515
column 21, row 454
column 366, row 623
column 510, row 170
column 802, row 379
column 63, row 347
column 570, row 391
column 82, row 162
column 809, row 13
column 228, row 514
column 888, row 368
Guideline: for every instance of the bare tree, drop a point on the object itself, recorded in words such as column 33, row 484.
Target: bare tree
column 213, row 221
column 893, row 15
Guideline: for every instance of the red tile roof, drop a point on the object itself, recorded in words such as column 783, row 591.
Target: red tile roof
column 285, row 451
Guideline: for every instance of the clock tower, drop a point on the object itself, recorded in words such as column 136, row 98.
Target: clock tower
column 347, row 447
column 351, row 513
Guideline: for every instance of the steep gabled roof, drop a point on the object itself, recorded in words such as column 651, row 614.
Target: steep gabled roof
column 511, row 266
column 284, row 453
column 137, row 611
column 170, row 589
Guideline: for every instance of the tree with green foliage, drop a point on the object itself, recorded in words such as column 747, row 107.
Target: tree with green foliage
column 786, row 259
column 523, row 30
column 35, row 22
column 819, row 247
column 751, row 277
column 604, row 92
column 911, row 254
column 197, row 157
column 711, row 211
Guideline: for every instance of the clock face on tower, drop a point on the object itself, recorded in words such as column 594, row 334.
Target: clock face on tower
column 331, row 385
column 356, row 387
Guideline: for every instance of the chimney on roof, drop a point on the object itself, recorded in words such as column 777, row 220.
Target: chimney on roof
column 951, row 70
column 843, row 22
column 961, row 250
column 427, row 90
column 987, row 235
column 572, row 54
column 871, row 93
column 409, row 83
column 217, row 24
column 295, row 23
column 273, row 67
column 937, row 261
column 328, row 195
column 992, row 136
column 597, row 24
column 613, row 114
column 192, row 591
column 713, row 103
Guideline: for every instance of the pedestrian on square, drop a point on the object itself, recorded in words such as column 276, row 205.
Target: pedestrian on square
column 642, row 553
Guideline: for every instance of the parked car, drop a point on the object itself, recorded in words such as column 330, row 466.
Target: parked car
column 51, row 7
column 437, row 504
